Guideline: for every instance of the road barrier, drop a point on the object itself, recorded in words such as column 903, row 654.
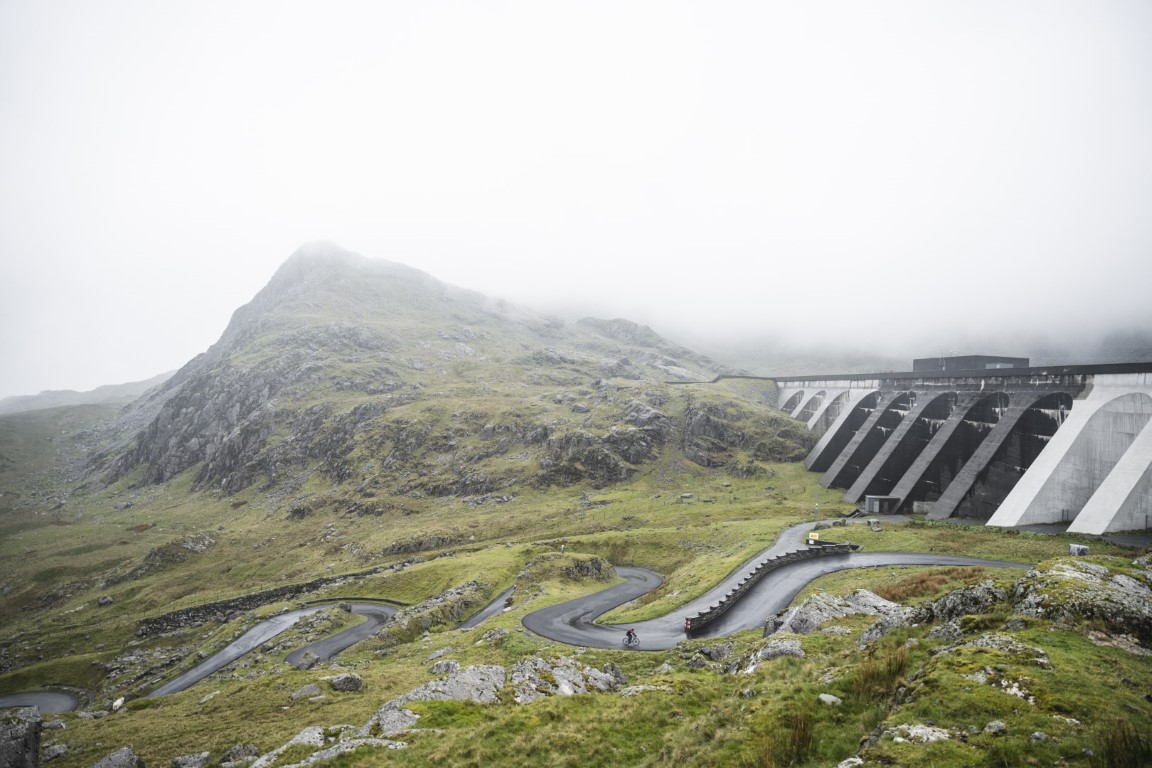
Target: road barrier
column 706, row 617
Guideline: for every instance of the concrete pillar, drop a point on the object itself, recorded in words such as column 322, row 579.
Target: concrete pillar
column 946, row 505
column 905, row 485
column 817, row 456
column 832, row 477
column 791, row 401
column 1123, row 502
column 895, row 442
column 1098, row 432
column 830, row 409
column 811, row 405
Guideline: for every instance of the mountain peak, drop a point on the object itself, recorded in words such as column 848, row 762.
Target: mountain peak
column 339, row 353
column 317, row 255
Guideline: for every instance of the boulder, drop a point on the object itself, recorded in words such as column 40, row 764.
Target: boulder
column 479, row 684
column 1075, row 590
column 307, row 691
column 312, row 736
column 197, row 760
column 395, row 721
column 20, row 738
column 240, row 753
column 347, row 681
column 445, row 667
column 52, row 752
column 717, row 652
column 776, row 648
column 950, row 631
column 821, row 608
column 645, row 417
column 121, row 758
column 882, row 627
column 919, row 734
column 534, row 678
column 968, row 601
column 636, row 690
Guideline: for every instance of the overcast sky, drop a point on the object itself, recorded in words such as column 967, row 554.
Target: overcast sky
column 874, row 173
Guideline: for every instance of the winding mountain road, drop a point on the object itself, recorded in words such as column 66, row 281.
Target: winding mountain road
column 376, row 614
column 574, row 622
column 325, row 649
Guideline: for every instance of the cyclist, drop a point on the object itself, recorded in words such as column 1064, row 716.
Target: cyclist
column 630, row 638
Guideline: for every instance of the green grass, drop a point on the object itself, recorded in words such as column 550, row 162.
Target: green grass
column 64, row 543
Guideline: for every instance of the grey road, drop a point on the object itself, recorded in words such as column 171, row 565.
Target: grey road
column 493, row 608
column 574, row 622
column 375, row 615
column 266, row 630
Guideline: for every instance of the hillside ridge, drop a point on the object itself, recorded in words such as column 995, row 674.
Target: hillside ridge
column 340, row 358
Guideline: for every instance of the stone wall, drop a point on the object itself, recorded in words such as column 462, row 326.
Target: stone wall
column 220, row 610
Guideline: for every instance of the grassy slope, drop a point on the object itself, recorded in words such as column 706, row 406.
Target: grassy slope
column 703, row 720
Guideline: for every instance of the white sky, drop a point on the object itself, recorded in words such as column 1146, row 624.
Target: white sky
column 875, row 173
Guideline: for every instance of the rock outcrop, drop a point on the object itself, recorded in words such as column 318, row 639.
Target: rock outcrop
column 821, row 608
column 124, row 757
column 20, row 731
column 1076, row 590
column 534, row 678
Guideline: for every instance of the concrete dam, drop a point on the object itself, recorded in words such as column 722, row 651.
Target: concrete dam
column 1011, row 446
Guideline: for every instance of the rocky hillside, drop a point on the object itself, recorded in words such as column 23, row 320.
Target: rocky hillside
column 382, row 380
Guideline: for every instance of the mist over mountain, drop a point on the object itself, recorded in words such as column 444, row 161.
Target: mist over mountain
column 109, row 394
column 373, row 373
column 773, row 355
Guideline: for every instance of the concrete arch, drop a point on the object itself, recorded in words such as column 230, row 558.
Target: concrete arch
column 1012, row 446
column 1088, row 455
column 827, row 416
column 951, row 446
column 837, row 438
column 811, row 406
column 881, row 424
column 908, row 441
column 793, row 402
column 1123, row 502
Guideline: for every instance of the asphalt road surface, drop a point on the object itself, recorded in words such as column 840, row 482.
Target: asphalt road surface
column 574, row 622
column 493, row 608
column 266, row 630
column 376, row 615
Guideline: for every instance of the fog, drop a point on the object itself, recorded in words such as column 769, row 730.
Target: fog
column 903, row 177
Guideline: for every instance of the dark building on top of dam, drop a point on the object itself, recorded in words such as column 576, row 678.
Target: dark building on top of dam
column 967, row 363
